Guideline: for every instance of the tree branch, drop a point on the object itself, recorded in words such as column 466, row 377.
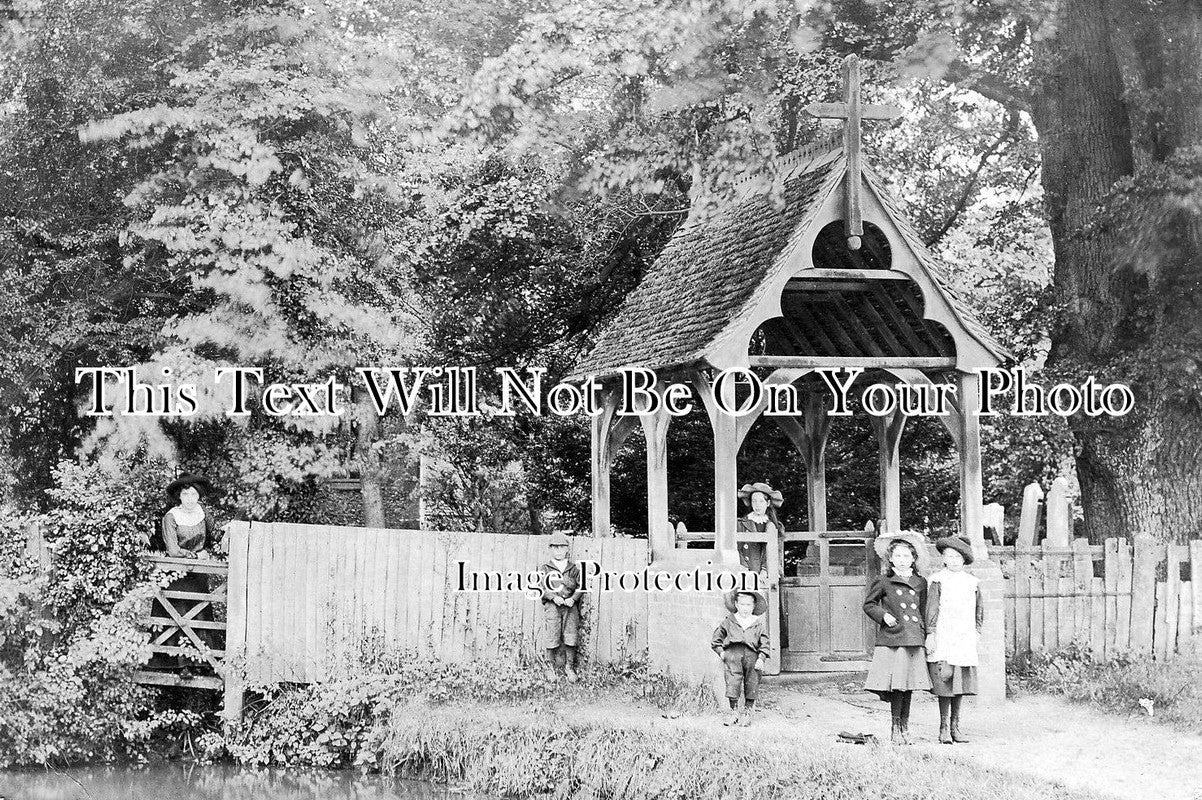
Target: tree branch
column 990, row 86
column 971, row 184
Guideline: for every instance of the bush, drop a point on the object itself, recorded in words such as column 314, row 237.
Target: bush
column 1170, row 691
column 339, row 723
column 98, row 523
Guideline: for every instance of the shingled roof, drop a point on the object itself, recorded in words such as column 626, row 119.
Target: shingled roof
column 712, row 272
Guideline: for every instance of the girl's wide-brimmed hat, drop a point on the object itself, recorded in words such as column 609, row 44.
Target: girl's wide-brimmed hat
column 916, row 540
column 774, row 497
column 761, row 605
column 202, row 484
column 957, row 543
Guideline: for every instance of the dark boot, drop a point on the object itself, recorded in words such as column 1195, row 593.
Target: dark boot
column 895, row 707
column 905, row 717
column 945, row 731
column 955, row 726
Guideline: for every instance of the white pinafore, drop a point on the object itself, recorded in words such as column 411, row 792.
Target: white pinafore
column 956, row 625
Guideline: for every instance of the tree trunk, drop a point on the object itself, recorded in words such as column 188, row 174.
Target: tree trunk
column 1119, row 100
column 371, row 464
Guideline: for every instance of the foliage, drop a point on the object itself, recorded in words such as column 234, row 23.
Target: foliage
column 96, row 528
column 63, row 703
column 1170, row 691
column 338, row 723
column 582, row 755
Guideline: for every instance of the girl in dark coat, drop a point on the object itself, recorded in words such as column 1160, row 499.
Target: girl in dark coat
column 896, row 602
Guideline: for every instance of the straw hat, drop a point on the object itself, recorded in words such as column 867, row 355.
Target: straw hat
column 761, row 605
column 916, row 540
column 774, row 497
column 957, row 543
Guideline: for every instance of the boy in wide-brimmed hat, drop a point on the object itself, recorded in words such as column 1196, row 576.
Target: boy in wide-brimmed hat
column 561, row 607
column 741, row 641
column 954, row 615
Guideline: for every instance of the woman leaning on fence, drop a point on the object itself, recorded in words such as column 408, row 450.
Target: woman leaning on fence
column 189, row 531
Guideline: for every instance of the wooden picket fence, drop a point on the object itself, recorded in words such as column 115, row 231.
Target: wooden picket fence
column 1116, row 598
column 306, row 600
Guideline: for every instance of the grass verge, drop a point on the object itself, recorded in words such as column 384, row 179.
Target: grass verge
column 551, row 757
column 1167, row 691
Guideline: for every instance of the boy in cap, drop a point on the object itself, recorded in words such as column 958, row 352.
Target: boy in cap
column 741, row 641
column 560, row 607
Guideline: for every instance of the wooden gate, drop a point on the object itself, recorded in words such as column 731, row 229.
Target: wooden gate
column 825, row 576
column 182, row 622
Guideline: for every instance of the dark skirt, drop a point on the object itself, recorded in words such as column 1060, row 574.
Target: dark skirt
column 897, row 669
column 963, row 680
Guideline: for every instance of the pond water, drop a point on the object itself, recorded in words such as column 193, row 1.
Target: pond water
column 194, row 782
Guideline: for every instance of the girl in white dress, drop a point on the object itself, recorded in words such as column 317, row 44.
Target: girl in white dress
column 954, row 616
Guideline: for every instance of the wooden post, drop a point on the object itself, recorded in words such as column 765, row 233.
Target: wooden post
column 726, row 480
column 1022, row 604
column 1122, row 628
column 1195, row 578
column 1060, row 521
column 1028, row 522
column 237, row 542
column 659, row 533
column 971, row 489
column 1110, row 597
column 1082, row 582
column 888, row 435
column 1185, row 618
column 601, row 460
column 817, row 426
column 1143, row 592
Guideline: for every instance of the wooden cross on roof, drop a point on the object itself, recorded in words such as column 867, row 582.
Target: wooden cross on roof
column 852, row 111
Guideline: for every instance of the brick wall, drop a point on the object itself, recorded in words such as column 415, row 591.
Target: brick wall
column 681, row 624
column 992, row 649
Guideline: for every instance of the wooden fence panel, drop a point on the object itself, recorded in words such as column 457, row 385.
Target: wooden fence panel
column 1054, row 597
column 1110, row 601
column 1122, row 636
column 1185, row 615
column 306, row 600
column 1143, row 594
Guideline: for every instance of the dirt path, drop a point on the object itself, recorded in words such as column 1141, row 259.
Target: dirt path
column 1045, row 737
column 1104, row 755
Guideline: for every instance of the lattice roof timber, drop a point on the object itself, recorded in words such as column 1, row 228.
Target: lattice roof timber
column 712, row 274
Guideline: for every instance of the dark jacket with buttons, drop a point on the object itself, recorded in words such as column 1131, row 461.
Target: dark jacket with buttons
column 905, row 599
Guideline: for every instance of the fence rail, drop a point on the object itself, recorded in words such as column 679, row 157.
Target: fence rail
column 1141, row 599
